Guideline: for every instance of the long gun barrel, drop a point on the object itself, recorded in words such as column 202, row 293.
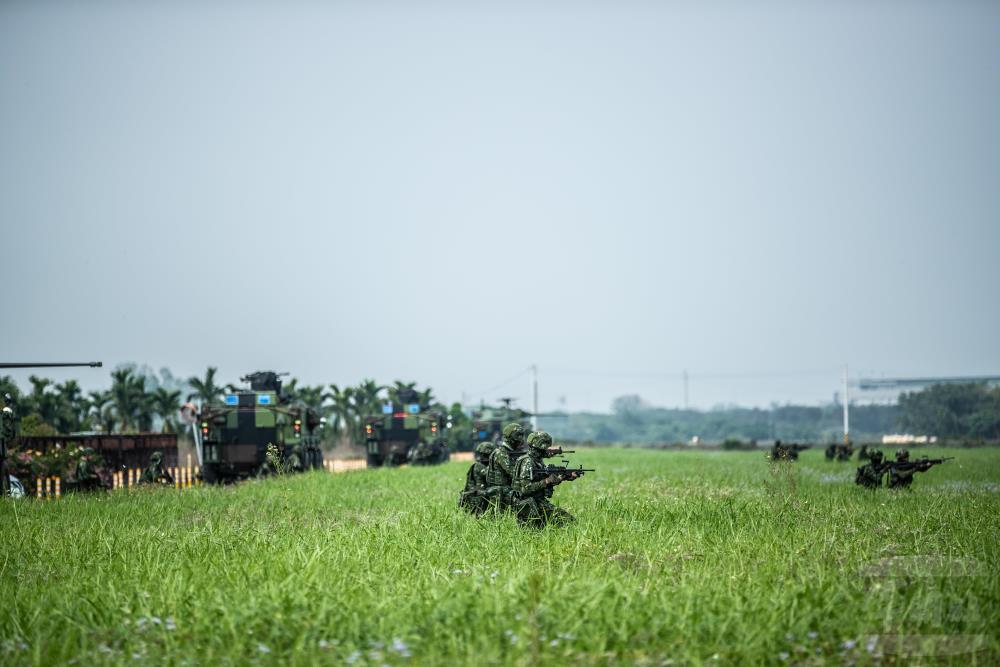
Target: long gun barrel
column 91, row 364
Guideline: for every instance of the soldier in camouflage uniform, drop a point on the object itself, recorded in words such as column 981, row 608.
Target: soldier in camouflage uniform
column 475, row 496
column 901, row 477
column 155, row 473
column 870, row 474
column 501, row 468
column 533, row 487
column 293, row 458
column 86, row 475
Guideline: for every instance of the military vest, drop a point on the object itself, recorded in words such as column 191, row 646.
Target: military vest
column 501, row 461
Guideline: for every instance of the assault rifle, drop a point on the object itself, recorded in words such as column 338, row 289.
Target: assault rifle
column 565, row 472
column 558, row 451
column 919, row 464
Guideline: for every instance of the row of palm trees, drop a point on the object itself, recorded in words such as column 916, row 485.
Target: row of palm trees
column 131, row 405
column 127, row 406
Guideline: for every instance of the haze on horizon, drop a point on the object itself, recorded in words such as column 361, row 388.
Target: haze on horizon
column 616, row 193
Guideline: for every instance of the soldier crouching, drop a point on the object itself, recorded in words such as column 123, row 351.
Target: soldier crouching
column 475, row 496
column 533, row 485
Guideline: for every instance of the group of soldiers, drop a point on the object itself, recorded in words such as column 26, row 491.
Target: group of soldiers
column 900, row 472
column 428, row 452
column 787, row 451
column 89, row 473
column 511, row 476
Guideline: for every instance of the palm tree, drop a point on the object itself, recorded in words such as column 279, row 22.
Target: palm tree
column 166, row 404
column 143, row 405
column 43, row 402
column 426, row 398
column 364, row 401
column 206, row 391
column 72, row 407
column 128, row 394
column 290, row 390
column 341, row 410
column 313, row 398
column 365, row 398
column 102, row 409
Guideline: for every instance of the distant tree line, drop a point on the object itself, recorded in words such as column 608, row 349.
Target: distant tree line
column 139, row 400
column 952, row 411
column 957, row 411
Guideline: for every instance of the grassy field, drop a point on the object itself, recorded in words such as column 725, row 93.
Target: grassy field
column 676, row 558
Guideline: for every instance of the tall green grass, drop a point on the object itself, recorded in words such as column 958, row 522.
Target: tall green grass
column 676, row 558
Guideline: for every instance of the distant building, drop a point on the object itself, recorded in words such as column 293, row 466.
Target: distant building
column 908, row 439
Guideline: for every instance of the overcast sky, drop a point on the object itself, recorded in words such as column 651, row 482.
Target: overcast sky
column 615, row 192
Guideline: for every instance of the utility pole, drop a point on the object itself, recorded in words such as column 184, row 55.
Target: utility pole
column 685, row 377
column 847, row 422
column 534, row 395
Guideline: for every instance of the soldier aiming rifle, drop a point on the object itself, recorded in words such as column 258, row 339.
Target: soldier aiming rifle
column 901, row 470
column 534, row 482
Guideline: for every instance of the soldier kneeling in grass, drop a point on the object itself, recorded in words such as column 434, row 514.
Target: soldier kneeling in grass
column 533, row 483
column 476, row 494
column 155, row 473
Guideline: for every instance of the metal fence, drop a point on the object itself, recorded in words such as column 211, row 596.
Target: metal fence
column 118, row 451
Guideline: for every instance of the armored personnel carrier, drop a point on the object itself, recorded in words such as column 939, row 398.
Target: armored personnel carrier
column 488, row 422
column 405, row 433
column 235, row 434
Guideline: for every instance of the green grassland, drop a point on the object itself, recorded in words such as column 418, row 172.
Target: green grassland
column 676, row 558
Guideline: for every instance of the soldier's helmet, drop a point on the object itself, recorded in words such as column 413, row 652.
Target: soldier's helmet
column 539, row 440
column 875, row 456
column 484, row 449
column 156, row 457
column 513, row 434
column 903, row 455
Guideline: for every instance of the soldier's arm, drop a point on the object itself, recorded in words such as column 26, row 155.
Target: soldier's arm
column 524, row 484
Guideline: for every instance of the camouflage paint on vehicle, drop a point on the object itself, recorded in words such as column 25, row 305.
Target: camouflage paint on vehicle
column 488, row 422
column 236, row 432
column 391, row 438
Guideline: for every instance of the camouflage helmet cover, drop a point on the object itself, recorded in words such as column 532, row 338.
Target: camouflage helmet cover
column 513, row 433
column 539, row 440
column 903, row 455
column 156, row 457
column 485, row 448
